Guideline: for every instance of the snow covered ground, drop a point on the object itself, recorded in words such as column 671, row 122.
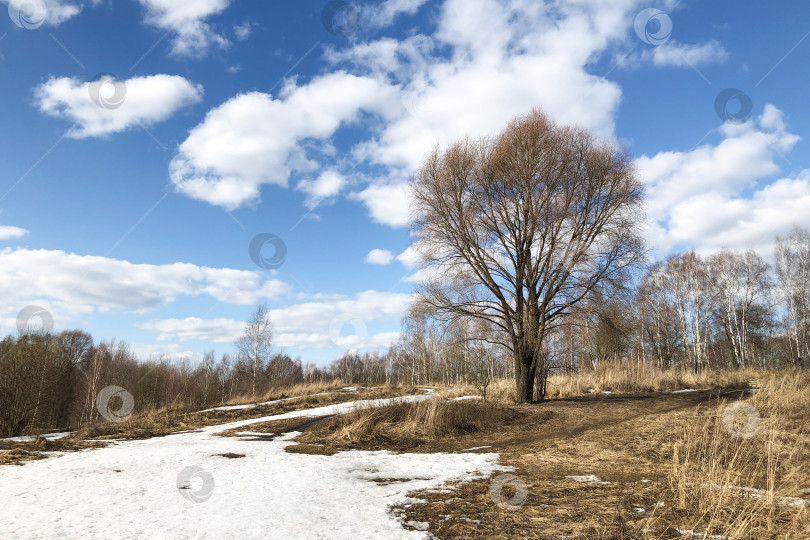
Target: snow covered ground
column 177, row 487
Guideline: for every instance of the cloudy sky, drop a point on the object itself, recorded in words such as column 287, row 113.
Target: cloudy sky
column 167, row 164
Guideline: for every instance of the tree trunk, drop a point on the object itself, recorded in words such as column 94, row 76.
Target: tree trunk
column 525, row 370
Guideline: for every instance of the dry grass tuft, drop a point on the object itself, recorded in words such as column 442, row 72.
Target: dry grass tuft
column 409, row 424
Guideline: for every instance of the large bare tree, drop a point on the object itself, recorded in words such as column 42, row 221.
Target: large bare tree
column 518, row 229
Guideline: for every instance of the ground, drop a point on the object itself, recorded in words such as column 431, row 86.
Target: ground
column 585, row 467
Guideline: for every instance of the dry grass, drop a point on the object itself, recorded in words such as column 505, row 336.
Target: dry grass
column 628, row 378
column 274, row 427
column 634, row 378
column 669, row 463
column 298, row 390
column 16, row 453
column 406, row 425
column 745, row 475
column 165, row 422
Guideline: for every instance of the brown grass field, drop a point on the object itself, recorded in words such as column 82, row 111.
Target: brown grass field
column 666, row 465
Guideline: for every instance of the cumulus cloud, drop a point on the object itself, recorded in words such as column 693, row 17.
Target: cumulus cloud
column 699, row 198
column 381, row 257
column 97, row 110
column 193, row 328
column 384, row 13
column 76, row 284
column 326, row 186
column 186, row 20
column 341, row 322
column 675, row 54
column 165, row 351
column 388, row 204
column 7, row 232
column 486, row 62
column 711, row 221
column 255, row 139
column 33, row 13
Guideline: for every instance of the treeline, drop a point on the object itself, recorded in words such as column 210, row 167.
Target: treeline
column 55, row 382
column 725, row 311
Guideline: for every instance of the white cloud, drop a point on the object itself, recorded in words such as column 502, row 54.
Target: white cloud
column 76, row 284
column 327, row 185
column 384, row 13
column 138, row 101
column 165, row 351
column 409, row 258
column 381, row 257
column 193, row 328
column 387, row 204
column 254, row 139
column 341, row 323
column 33, row 13
column 717, row 196
column 185, row 18
column 478, row 70
column 243, row 31
column 7, row 232
column 498, row 67
column 672, row 54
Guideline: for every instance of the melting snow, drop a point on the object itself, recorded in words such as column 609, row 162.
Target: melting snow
column 130, row 489
column 590, row 478
column 29, row 438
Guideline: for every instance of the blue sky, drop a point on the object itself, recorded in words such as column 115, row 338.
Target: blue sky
column 145, row 143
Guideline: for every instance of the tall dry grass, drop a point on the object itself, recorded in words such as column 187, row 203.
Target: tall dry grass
column 641, row 378
column 745, row 474
column 298, row 390
column 619, row 378
column 407, row 424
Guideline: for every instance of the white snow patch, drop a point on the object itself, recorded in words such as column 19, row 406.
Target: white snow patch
column 688, row 390
column 474, row 448
column 702, row 535
column 464, row 398
column 48, row 436
column 269, row 491
column 590, row 478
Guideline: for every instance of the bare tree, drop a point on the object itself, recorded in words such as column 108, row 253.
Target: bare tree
column 793, row 272
column 255, row 342
column 657, row 315
column 519, row 229
column 742, row 288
